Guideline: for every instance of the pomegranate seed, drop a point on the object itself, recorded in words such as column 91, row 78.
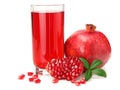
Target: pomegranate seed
column 68, row 78
column 55, row 80
column 82, row 81
column 37, row 81
column 21, row 77
column 73, row 81
column 29, row 73
column 35, row 76
column 77, row 83
column 31, row 79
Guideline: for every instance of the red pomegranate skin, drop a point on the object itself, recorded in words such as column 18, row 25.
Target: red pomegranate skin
column 88, row 44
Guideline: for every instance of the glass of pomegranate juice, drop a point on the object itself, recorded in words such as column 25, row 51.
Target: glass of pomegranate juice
column 47, row 34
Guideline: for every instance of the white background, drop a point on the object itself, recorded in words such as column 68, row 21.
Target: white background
column 16, row 44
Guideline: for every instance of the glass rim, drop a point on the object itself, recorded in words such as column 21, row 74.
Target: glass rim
column 47, row 7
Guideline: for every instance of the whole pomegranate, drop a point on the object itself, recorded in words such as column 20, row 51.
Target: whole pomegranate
column 89, row 44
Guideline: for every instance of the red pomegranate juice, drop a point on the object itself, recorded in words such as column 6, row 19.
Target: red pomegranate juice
column 47, row 37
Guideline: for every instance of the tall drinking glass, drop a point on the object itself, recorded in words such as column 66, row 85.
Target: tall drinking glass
column 47, row 34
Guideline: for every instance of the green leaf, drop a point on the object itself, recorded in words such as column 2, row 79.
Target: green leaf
column 95, row 64
column 85, row 62
column 88, row 74
column 99, row 72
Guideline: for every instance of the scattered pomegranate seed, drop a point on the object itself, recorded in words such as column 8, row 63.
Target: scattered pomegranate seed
column 55, row 80
column 37, row 81
column 31, row 79
column 21, row 77
column 35, row 76
column 77, row 83
column 30, row 73
column 82, row 81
